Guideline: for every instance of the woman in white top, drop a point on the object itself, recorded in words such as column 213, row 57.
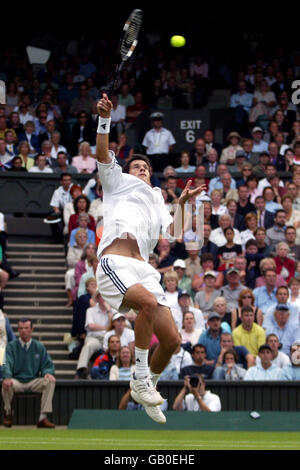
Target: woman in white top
column 118, row 327
column 124, row 367
column 217, row 207
column 171, row 288
column 189, row 334
column 56, row 146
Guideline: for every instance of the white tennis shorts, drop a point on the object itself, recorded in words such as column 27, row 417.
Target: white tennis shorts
column 115, row 274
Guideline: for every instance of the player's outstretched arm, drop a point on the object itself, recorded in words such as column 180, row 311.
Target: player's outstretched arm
column 104, row 107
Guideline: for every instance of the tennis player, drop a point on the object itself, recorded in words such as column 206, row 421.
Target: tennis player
column 134, row 217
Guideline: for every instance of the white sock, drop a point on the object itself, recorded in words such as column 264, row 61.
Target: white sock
column 42, row 416
column 141, row 363
column 155, row 378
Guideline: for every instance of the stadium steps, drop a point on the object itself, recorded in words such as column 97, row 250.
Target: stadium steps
column 39, row 293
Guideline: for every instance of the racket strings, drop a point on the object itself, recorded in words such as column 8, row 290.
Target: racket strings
column 132, row 29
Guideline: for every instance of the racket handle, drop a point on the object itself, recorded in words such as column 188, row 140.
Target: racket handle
column 108, row 89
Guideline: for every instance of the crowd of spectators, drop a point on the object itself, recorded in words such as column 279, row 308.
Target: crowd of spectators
column 234, row 291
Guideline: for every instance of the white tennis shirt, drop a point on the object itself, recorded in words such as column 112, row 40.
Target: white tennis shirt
column 131, row 206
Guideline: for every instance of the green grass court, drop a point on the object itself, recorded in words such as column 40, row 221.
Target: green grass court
column 65, row 439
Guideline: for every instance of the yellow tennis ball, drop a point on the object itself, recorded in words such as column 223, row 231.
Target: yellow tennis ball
column 177, row 41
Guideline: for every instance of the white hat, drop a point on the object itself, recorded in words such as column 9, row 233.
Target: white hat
column 179, row 263
column 192, row 246
column 257, row 129
column 210, row 273
column 117, row 315
column 156, row 115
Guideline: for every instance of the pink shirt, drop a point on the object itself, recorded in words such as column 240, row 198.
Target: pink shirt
column 88, row 164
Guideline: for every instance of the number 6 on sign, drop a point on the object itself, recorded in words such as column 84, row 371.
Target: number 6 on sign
column 2, row 92
column 190, row 136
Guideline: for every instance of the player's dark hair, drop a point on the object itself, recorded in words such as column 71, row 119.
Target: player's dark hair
column 134, row 157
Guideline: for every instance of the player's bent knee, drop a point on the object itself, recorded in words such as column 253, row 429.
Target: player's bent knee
column 149, row 305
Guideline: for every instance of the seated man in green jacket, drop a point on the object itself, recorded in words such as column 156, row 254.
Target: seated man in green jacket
column 28, row 367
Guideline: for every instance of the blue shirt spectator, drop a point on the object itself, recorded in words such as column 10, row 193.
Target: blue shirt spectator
column 264, row 298
column 216, row 183
column 286, row 334
column 269, row 315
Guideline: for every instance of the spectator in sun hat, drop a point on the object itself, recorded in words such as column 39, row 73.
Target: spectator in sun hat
column 228, row 154
column 184, row 281
column 120, row 326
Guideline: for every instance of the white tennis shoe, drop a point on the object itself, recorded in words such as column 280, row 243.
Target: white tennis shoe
column 154, row 412
column 144, row 392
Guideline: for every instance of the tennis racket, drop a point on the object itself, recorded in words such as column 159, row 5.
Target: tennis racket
column 127, row 45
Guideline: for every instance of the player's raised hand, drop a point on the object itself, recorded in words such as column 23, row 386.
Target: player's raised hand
column 188, row 193
column 104, row 106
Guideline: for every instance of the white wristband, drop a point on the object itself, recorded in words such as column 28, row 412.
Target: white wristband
column 103, row 125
